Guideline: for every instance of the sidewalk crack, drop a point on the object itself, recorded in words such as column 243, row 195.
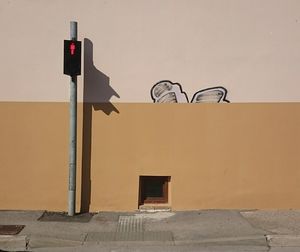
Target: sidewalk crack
column 84, row 239
column 26, row 243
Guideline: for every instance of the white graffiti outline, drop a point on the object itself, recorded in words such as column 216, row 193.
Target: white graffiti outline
column 168, row 92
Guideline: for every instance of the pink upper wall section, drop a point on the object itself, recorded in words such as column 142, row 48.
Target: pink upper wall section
column 249, row 47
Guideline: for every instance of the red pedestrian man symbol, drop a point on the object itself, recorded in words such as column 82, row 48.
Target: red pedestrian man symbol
column 72, row 49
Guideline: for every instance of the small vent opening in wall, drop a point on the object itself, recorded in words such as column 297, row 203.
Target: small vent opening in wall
column 154, row 190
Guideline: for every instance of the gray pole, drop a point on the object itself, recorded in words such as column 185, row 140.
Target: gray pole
column 73, row 133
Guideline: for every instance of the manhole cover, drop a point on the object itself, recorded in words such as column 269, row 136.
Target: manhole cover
column 10, row 229
column 63, row 217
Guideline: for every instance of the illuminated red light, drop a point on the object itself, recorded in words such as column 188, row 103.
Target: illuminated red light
column 72, row 49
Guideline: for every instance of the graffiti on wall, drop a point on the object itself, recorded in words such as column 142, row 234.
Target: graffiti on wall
column 169, row 92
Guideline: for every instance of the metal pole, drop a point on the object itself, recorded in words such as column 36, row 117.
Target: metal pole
column 73, row 133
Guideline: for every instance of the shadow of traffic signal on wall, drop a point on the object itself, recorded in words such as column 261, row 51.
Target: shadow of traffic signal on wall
column 97, row 93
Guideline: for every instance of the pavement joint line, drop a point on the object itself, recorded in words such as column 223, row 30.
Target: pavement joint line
column 205, row 240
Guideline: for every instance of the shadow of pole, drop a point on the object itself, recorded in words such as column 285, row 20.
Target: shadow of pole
column 86, row 158
column 96, row 95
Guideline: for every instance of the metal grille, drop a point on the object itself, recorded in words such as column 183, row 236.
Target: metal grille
column 128, row 224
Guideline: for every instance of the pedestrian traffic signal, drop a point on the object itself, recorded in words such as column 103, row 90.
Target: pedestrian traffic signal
column 72, row 57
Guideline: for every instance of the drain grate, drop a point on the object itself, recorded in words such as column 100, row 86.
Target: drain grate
column 10, row 229
column 128, row 224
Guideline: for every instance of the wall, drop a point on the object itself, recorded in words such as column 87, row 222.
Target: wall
column 241, row 154
column 218, row 155
column 250, row 47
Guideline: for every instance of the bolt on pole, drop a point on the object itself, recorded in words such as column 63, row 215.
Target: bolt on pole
column 73, row 133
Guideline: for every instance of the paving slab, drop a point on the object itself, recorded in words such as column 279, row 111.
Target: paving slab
column 19, row 217
column 158, row 236
column 275, row 221
column 284, row 241
column 13, row 243
column 198, row 225
column 39, row 241
column 72, row 230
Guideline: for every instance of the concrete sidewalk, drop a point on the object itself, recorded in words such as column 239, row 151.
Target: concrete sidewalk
column 206, row 230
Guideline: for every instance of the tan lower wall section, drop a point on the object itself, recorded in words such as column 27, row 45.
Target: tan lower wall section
column 218, row 155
